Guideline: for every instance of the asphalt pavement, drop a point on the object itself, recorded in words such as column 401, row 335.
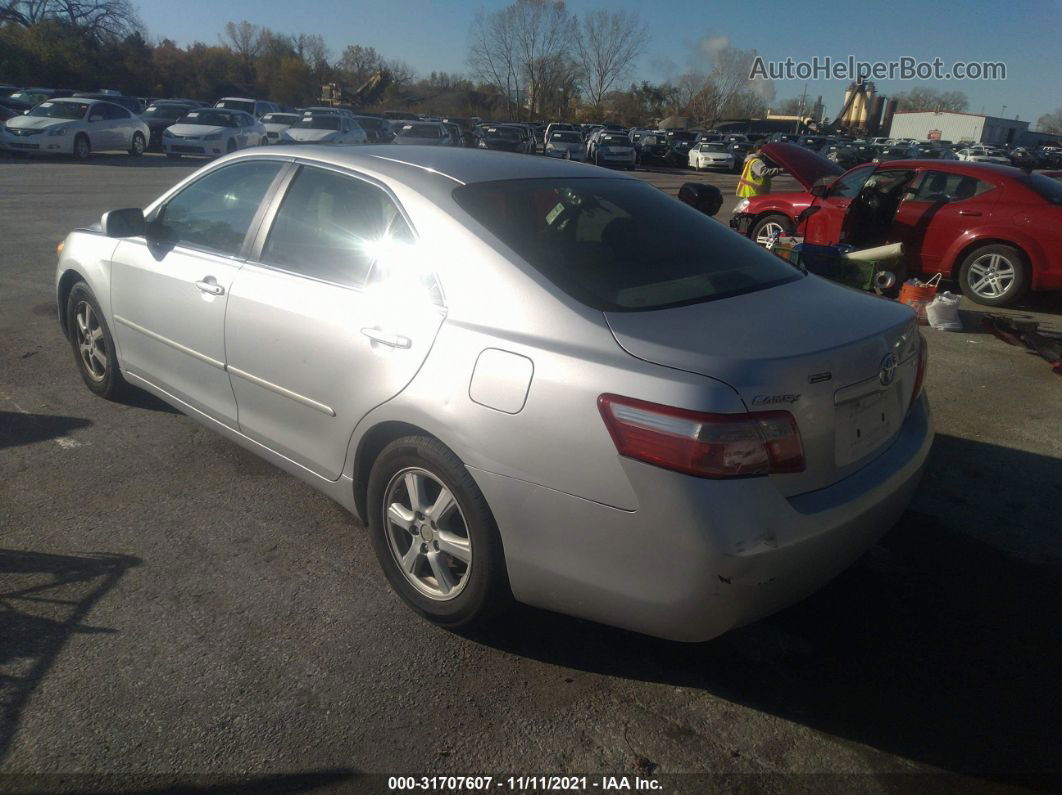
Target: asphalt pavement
column 172, row 605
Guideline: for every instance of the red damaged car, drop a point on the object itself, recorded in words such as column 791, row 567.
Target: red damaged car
column 995, row 229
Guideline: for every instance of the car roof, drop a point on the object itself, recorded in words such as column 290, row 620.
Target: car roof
column 957, row 166
column 421, row 165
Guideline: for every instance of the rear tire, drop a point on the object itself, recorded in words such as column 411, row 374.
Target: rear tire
column 764, row 227
column 994, row 275
column 414, row 560
column 93, row 345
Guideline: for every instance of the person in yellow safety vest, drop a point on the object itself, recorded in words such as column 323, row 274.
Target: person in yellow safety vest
column 756, row 175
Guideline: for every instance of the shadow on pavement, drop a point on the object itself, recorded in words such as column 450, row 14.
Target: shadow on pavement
column 44, row 599
column 17, row 428
column 935, row 646
column 139, row 399
column 330, row 780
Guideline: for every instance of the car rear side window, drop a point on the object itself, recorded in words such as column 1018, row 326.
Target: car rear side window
column 215, row 212
column 328, row 227
column 620, row 244
column 941, row 186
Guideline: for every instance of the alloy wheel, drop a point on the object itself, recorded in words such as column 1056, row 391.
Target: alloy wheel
column 427, row 533
column 991, row 275
column 768, row 231
column 90, row 342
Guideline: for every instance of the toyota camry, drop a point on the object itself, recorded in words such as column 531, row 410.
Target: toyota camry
column 532, row 379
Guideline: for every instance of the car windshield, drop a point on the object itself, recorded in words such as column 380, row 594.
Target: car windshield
column 421, row 131
column 235, row 104
column 621, row 245
column 681, row 136
column 508, row 133
column 25, row 96
column 566, row 137
column 60, row 110
column 1050, row 189
column 317, row 123
column 713, row 147
column 210, row 118
column 164, row 112
column 280, row 118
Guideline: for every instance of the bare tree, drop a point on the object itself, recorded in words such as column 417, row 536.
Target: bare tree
column 99, row 18
column 542, row 31
column 358, row 63
column 1051, row 122
column 919, row 98
column 607, row 43
column 491, row 54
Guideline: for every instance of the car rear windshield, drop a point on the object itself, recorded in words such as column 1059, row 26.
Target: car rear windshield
column 620, row 244
column 566, row 137
column 508, row 133
column 615, row 140
column 317, row 123
column 1050, row 189
column 280, row 118
column 211, row 118
column 235, row 104
column 421, row 131
column 165, row 112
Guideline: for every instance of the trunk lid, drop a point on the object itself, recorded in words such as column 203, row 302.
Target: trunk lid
column 809, row 347
column 804, row 165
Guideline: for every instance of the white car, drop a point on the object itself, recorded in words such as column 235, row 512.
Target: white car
column 564, row 143
column 612, row 148
column 76, row 127
column 321, row 128
column 980, row 154
column 276, row 123
column 711, row 155
column 256, row 107
column 211, row 132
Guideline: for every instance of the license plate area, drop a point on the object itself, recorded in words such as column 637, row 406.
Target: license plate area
column 865, row 423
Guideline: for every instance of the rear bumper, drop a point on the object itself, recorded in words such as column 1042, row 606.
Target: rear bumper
column 698, row 557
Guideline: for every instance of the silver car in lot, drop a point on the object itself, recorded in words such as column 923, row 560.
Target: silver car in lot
column 531, row 378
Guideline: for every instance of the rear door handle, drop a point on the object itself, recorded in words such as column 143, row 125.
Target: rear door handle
column 969, row 212
column 390, row 340
column 210, row 285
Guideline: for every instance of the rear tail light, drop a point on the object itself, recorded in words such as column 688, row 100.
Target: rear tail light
column 923, row 362
column 701, row 444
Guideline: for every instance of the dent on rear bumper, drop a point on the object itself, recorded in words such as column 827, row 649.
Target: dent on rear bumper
column 698, row 557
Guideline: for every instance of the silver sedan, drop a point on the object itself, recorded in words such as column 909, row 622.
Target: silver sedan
column 531, row 378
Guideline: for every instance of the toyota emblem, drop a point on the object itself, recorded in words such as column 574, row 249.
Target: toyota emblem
column 888, row 369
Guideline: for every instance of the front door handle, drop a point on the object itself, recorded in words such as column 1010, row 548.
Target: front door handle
column 390, row 340
column 969, row 212
column 210, row 285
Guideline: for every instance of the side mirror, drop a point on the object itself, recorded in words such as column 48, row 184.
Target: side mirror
column 123, row 223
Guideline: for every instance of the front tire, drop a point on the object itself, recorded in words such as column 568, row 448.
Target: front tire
column 93, row 345
column 994, row 275
column 764, row 228
column 434, row 534
column 82, row 148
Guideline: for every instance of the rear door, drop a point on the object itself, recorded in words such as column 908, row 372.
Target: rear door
column 940, row 207
column 169, row 290
column 98, row 127
column 332, row 316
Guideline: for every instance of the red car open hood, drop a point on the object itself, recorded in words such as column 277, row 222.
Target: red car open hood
column 806, row 166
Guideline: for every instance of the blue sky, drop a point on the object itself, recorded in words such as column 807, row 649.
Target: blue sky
column 431, row 34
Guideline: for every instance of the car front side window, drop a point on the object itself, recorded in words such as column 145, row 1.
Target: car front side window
column 215, row 212
column 330, row 226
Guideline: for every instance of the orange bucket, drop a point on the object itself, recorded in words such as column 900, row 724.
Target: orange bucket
column 919, row 297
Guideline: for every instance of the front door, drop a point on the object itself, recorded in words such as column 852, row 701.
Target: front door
column 169, row 290
column 825, row 218
column 333, row 318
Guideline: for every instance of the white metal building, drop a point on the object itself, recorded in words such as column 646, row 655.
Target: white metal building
column 948, row 126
